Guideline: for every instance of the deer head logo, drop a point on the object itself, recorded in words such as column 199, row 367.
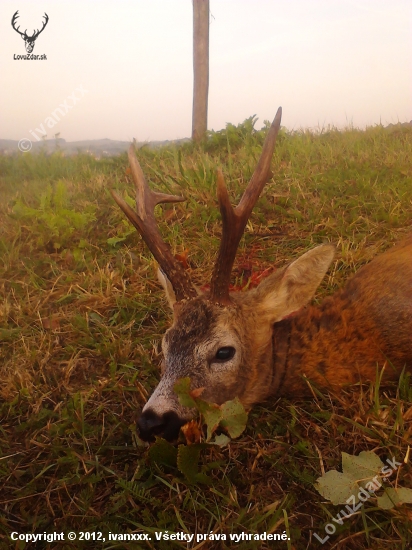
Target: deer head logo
column 28, row 40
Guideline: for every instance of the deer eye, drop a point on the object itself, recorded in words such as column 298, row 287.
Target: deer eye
column 226, row 353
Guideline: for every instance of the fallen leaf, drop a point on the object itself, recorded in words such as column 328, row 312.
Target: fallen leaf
column 337, row 487
column 393, row 497
column 50, row 323
column 182, row 258
column 192, row 432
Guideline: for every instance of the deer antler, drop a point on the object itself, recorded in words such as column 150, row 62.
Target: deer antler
column 234, row 219
column 36, row 34
column 13, row 22
column 145, row 223
column 24, row 34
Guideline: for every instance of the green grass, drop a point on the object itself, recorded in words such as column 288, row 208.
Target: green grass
column 81, row 320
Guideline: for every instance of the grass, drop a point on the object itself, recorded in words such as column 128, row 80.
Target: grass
column 82, row 316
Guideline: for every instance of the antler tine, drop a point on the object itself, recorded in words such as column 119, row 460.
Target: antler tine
column 234, row 219
column 36, row 34
column 13, row 22
column 145, row 223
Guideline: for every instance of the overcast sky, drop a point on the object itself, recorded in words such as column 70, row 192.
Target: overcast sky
column 124, row 69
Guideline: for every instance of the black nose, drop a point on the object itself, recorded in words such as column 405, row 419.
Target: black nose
column 166, row 425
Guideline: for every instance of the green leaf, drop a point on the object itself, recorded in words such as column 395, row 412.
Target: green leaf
column 393, row 497
column 188, row 461
column 222, row 440
column 182, row 389
column 337, row 487
column 164, row 453
column 231, row 416
column 359, row 472
column 212, row 415
column 363, row 467
column 113, row 241
column 234, row 417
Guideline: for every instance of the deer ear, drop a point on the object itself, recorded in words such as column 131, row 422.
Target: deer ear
column 287, row 291
column 167, row 286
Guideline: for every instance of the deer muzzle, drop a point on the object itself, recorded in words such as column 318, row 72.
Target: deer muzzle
column 166, row 425
column 163, row 415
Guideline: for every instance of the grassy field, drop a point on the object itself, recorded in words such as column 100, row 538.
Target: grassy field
column 81, row 320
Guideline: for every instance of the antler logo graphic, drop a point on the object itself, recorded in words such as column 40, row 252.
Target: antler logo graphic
column 29, row 40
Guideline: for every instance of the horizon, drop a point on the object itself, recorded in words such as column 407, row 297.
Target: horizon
column 315, row 130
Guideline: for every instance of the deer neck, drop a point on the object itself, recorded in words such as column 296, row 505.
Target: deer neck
column 300, row 353
column 281, row 339
column 332, row 345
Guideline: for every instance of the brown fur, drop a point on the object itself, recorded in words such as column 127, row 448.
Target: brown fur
column 279, row 342
column 365, row 326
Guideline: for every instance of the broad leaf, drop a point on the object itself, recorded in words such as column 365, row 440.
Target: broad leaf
column 188, row 463
column 222, row 440
column 162, row 452
column 337, row 487
column 182, row 389
column 363, row 467
column 393, row 497
column 234, row 417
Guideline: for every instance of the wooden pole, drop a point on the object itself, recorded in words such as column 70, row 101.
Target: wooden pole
column 200, row 68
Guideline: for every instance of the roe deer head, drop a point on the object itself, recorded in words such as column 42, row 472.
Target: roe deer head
column 268, row 341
